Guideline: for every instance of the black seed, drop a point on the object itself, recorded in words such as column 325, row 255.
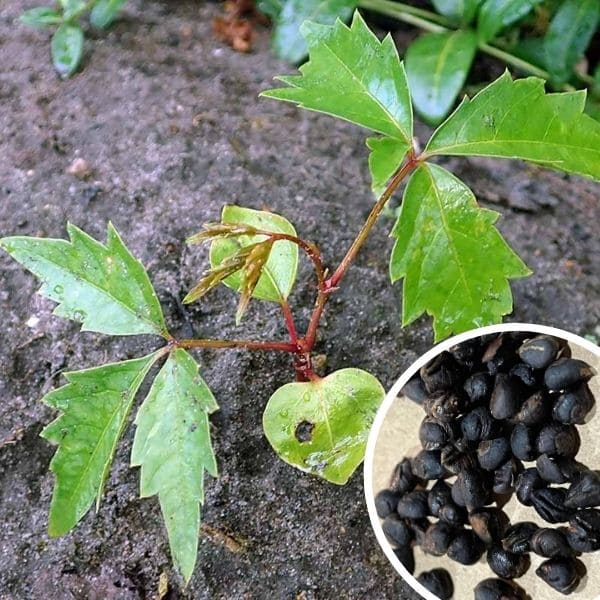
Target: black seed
column 397, row 530
column 585, row 491
column 403, row 480
column 444, row 406
column 385, row 503
column 583, row 532
column 549, row 503
column 497, row 589
column 527, row 482
column 434, row 434
column 566, row 372
column 505, row 476
column 523, row 442
column 406, row 556
column 467, row 353
column 517, row 538
column 419, row 528
column 492, row 453
column 525, row 374
column 489, row 524
column 550, row 543
column 478, row 424
column 453, row 514
column 439, row 495
column 415, row 390
column 413, row 505
column 507, row 564
column 574, row 405
column 427, row 465
column 438, row 537
column 473, row 486
column 466, row 548
column 539, row 351
column 455, row 459
column 438, row 582
column 536, row 409
column 506, row 400
column 441, row 373
column 563, row 574
column 557, row 469
column 478, row 387
column 558, row 439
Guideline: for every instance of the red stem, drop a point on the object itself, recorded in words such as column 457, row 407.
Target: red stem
column 289, row 322
column 247, row 344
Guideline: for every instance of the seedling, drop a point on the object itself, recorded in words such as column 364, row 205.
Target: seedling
column 454, row 263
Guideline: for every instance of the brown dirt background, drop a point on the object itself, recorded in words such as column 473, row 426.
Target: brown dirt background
column 170, row 121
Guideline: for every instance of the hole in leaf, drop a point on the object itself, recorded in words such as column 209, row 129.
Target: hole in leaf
column 304, row 431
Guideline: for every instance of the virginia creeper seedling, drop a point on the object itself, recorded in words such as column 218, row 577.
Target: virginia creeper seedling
column 454, row 264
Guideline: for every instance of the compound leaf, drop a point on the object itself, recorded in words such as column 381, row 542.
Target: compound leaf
column 94, row 405
column 437, row 65
column 454, row 262
column 496, row 15
column 42, row 16
column 172, row 446
column 353, row 76
column 101, row 286
column 279, row 272
column 386, row 154
column 517, row 119
column 459, row 11
column 568, row 36
column 66, row 48
column 105, row 12
column 322, row 426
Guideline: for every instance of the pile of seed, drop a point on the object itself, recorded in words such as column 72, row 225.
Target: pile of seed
column 494, row 403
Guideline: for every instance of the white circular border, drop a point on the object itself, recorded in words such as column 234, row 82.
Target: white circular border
column 393, row 394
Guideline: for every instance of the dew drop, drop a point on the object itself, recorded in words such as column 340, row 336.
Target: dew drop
column 58, row 289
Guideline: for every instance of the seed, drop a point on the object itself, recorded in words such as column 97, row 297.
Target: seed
column 505, row 476
column 492, row 453
column 434, row 434
column 497, row 589
column 574, row 405
column 467, row 353
column 440, row 374
column 527, row 482
column 444, row 406
column 472, row 488
column 558, row 439
column 466, row 548
column 505, row 401
column 563, row 574
column 517, row 538
column 539, row 351
column 439, row 495
column 455, row 459
column 397, row 530
column 549, row 503
column 427, row 465
column 525, row 374
column 507, row 564
column 419, row 528
column 385, row 503
column 478, row 387
column 403, row 480
column 558, row 469
column 415, row 390
column 437, row 538
column 523, row 442
column 413, row 505
column 566, row 372
column 438, row 582
column 585, row 491
column 453, row 514
column 499, row 354
column 489, row 524
column 406, row 556
column 534, row 410
column 550, row 543
column 583, row 532
column 478, row 424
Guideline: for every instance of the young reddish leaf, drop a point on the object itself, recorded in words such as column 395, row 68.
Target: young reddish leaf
column 454, row 262
column 101, row 286
column 496, row 15
column 210, row 231
column 172, row 446
column 322, row 426
column 517, row 119
column 253, row 268
column 94, row 406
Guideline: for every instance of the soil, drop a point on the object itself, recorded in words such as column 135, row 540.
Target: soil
column 169, row 121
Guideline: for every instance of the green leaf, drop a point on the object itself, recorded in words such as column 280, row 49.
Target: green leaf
column 569, row 35
column 353, row 76
column 288, row 42
column 496, row 15
column 386, row 155
column 73, row 8
column 272, row 8
column 101, row 286
column 459, row 11
column 42, row 16
column 516, row 119
column 454, row 262
column 105, row 12
column 94, row 405
column 172, row 445
column 322, row 426
column 279, row 273
column 437, row 65
column 67, row 49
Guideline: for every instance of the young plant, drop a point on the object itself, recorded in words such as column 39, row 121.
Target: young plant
column 65, row 17
column 454, row 263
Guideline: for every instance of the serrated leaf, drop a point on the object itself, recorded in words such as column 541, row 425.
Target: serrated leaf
column 517, row 119
column 353, row 76
column 386, row 156
column 94, row 406
column 172, row 446
column 437, row 65
column 67, row 49
column 454, row 262
column 42, row 16
column 459, row 11
column 101, row 286
column 496, row 15
column 322, row 426
column 279, row 273
column 288, row 42
column 568, row 36
column 105, row 12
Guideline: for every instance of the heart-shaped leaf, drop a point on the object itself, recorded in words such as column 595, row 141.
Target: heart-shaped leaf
column 322, row 426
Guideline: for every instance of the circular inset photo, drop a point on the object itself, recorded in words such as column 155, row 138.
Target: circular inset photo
column 482, row 471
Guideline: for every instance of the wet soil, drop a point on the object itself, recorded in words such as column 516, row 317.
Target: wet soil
column 169, row 120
